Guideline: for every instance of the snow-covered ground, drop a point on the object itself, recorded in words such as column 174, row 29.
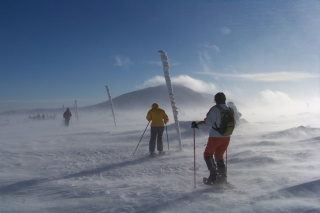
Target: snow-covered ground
column 88, row 167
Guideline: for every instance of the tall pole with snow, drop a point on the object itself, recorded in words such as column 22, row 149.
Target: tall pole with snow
column 76, row 110
column 110, row 99
column 165, row 63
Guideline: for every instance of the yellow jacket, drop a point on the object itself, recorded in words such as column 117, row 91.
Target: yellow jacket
column 157, row 115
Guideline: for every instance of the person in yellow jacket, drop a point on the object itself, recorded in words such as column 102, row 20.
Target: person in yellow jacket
column 158, row 118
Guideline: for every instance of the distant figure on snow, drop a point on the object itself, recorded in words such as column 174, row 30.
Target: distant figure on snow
column 158, row 118
column 218, row 142
column 67, row 115
column 38, row 117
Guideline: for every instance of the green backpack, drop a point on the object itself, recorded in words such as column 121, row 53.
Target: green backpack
column 227, row 122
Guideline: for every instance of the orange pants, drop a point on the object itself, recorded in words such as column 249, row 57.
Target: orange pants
column 216, row 147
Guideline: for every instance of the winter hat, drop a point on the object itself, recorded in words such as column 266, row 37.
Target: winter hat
column 220, row 98
column 155, row 106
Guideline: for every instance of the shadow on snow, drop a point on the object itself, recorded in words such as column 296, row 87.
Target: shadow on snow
column 15, row 187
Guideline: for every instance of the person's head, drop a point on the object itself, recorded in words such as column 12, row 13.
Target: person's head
column 220, row 98
column 67, row 109
column 155, row 106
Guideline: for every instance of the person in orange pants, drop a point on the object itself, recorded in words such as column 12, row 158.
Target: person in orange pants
column 216, row 147
column 217, row 143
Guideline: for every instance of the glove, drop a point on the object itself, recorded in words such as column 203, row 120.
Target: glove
column 194, row 125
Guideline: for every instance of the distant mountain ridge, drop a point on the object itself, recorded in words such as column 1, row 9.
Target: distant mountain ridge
column 142, row 100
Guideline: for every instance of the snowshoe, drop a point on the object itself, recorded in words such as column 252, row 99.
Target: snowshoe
column 211, row 180
column 220, row 183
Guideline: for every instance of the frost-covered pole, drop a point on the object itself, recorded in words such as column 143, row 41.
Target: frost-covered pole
column 76, row 110
column 165, row 63
column 110, row 99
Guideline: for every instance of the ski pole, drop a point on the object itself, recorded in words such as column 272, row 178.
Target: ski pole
column 167, row 139
column 227, row 161
column 140, row 139
column 194, row 157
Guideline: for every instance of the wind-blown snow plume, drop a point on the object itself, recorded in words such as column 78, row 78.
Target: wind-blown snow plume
column 165, row 63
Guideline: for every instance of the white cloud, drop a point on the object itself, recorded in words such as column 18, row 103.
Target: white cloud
column 314, row 104
column 265, row 77
column 208, row 69
column 174, row 64
column 122, row 62
column 216, row 48
column 205, row 62
column 155, row 81
column 159, row 63
column 275, row 97
column 281, row 103
column 225, row 30
column 184, row 80
column 212, row 47
column 195, row 84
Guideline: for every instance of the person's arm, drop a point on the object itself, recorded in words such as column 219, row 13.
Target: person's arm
column 165, row 118
column 149, row 116
column 201, row 122
column 210, row 118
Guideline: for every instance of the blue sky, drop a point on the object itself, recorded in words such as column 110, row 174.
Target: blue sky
column 55, row 52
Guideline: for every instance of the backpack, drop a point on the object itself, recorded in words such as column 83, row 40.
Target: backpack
column 227, row 124
column 67, row 114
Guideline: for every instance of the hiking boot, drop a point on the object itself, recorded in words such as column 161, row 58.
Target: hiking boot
column 161, row 153
column 152, row 154
column 213, row 178
column 223, row 177
column 222, row 170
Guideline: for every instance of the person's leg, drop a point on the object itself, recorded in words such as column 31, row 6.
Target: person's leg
column 224, row 143
column 212, row 145
column 160, row 131
column 221, row 166
column 208, row 157
column 152, row 142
